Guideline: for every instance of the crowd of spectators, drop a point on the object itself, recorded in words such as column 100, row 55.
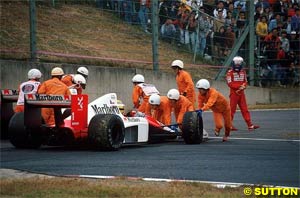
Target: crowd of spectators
column 211, row 30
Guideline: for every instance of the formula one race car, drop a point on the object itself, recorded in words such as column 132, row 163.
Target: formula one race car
column 99, row 124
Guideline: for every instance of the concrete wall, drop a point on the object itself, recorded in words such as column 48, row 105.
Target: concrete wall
column 104, row 80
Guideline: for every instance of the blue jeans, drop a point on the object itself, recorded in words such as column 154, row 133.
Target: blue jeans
column 143, row 16
column 202, row 45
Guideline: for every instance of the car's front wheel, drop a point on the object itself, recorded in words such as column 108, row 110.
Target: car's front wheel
column 192, row 128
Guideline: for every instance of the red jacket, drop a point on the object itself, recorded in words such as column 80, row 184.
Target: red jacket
column 236, row 79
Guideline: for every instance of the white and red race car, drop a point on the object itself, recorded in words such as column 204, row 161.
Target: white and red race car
column 99, row 124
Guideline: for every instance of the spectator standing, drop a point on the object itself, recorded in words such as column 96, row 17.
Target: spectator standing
column 220, row 7
column 141, row 92
column 143, row 14
column 295, row 21
column 168, row 31
column 219, row 21
column 294, row 42
column 128, row 10
column 192, row 25
column 180, row 104
column 219, row 42
column 272, row 43
column 163, row 12
column 237, row 82
column 274, row 22
column 159, row 107
column 229, row 40
column 285, row 43
column 183, row 25
column 29, row 87
column 53, row 86
column 184, row 81
column 210, row 98
column 204, row 29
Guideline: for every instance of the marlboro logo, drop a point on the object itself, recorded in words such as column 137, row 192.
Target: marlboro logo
column 40, row 97
column 106, row 109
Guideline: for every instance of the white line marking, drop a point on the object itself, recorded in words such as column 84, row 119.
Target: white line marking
column 258, row 139
column 214, row 183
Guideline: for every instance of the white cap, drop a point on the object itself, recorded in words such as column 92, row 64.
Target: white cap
column 83, row 70
column 138, row 78
column 177, row 63
column 154, row 99
column 57, row 71
column 79, row 79
column 34, row 74
column 203, row 84
column 173, row 94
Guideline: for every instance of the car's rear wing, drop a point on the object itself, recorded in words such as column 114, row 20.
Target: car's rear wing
column 77, row 103
column 8, row 97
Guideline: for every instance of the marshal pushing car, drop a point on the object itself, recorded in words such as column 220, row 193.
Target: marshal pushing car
column 99, row 124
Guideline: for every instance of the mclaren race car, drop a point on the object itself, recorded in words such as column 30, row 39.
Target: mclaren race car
column 99, row 124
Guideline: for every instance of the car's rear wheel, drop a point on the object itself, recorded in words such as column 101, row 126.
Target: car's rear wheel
column 21, row 136
column 106, row 131
column 192, row 128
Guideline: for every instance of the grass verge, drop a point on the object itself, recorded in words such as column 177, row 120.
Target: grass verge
column 79, row 188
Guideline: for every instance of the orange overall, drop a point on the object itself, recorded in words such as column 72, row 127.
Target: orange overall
column 138, row 93
column 56, row 87
column 185, row 85
column 215, row 101
column 181, row 106
column 162, row 112
column 142, row 91
column 68, row 79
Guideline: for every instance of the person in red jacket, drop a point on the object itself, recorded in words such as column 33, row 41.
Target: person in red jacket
column 141, row 92
column 184, row 81
column 237, row 82
column 210, row 98
column 159, row 107
column 29, row 87
column 180, row 104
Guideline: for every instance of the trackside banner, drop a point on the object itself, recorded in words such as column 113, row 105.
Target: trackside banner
column 79, row 111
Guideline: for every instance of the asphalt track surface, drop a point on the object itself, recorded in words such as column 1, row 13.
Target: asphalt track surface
column 268, row 156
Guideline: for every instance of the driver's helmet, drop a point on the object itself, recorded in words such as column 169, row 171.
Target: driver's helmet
column 121, row 106
column 237, row 63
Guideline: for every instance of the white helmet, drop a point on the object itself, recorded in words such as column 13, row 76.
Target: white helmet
column 57, row 71
column 34, row 74
column 138, row 78
column 83, row 71
column 237, row 60
column 177, row 63
column 173, row 94
column 79, row 79
column 154, row 99
column 203, row 84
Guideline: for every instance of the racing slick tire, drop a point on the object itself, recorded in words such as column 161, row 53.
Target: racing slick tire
column 192, row 128
column 21, row 136
column 106, row 132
